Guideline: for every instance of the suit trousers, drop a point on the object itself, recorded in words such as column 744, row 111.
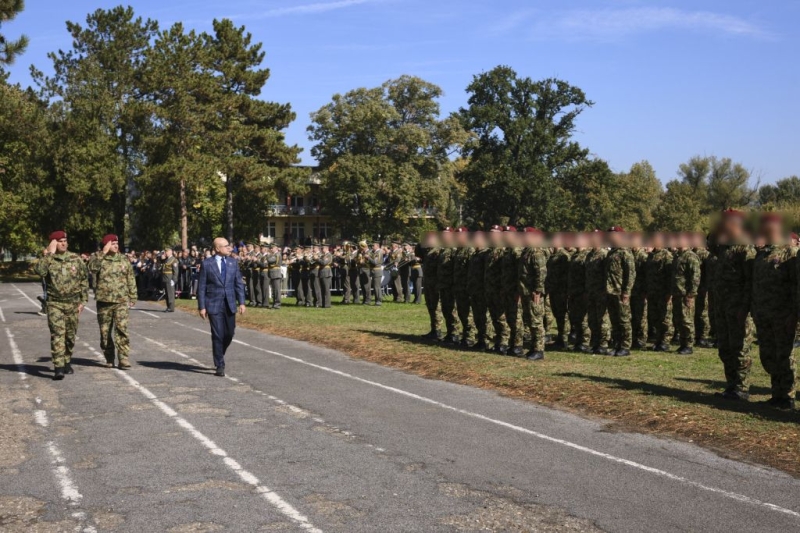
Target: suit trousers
column 223, row 326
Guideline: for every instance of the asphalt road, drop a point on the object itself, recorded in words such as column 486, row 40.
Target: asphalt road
column 300, row 438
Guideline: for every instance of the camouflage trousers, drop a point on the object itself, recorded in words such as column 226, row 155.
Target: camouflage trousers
column 448, row 300
column 535, row 314
column 515, row 330
column 683, row 318
column 776, row 332
column 619, row 314
column 480, row 314
column 432, row 304
column 113, row 320
column 734, row 339
column 463, row 310
column 639, row 319
column 558, row 304
column 598, row 321
column 578, row 319
column 659, row 317
column 702, row 322
column 497, row 314
column 62, row 319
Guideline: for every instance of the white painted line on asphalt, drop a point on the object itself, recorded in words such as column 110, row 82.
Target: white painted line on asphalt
column 265, row 492
column 17, row 355
column 69, row 491
column 31, row 300
column 2, row 316
column 41, row 418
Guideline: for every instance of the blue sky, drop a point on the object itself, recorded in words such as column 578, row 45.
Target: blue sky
column 670, row 79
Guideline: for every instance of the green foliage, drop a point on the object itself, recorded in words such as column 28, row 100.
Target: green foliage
column 10, row 49
column 384, row 154
column 637, row 194
column 680, row 209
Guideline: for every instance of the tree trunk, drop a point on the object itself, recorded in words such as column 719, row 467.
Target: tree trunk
column 229, row 209
column 184, row 217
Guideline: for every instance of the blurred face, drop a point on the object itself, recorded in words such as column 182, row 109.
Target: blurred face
column 511, row 238
column 61, row 245
column 447, row 239
column 479, row 240
column 168, row 252
column 430, row 240
column 771, row 231
column 222, row 247
column 732, row 227
column 496, row 239
column 462, row 238
column 657, row 240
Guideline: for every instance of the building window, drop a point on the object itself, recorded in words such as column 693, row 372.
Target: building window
column 271, row 230
column 297, row 231
column 297, row 201
column 322, row 230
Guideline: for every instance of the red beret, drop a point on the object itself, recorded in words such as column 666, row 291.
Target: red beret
column 109, row 238
column 448, row 229
column 57, row 235
column 532, row 230
column 794, row 236
column 734, row 213
column 509, row 228
column 616, row 229
column 496, row 228
column 771, row 216
column 462, row 229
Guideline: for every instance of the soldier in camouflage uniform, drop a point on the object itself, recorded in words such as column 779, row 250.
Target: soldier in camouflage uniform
column 263, row 277
column 710, row 268
column 273, row 261
column 169, row 277
column 444, row 282
column 532, row 272
column 67, row 293
column 597, row 300
column 429, row 254
column 733, row 295
column 620, row 276
column 395, row 261
column 493, row 275
column 702, row 321
column 685, row 284
column 775, row 309
column 461, row 258
column 375, row 260
column 578, row 297
column 476, row 274
column 115, row 292
column 659, row 293
column 416, row 272
column 509, row 288
column 557, row 289
column 364, row 272
column 639, row 296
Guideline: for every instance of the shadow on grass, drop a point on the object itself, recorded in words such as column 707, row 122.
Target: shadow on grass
column 172, row 365
column 689, row 396
column 720, row 385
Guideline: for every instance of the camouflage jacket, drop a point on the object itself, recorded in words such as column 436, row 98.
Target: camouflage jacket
column 733, row 275
column 461, row 260
column 596, row 271
column 659, row 273
column 702, row 255
column 640, row 283
column 620, row 271
column 66, row 276
column 557, row 272
column 509, row 280
column 775, row 290
column 445, row 269
column 430, row 267
column 685, row 274
column 493, row 271
column 476, row 273
column 576, row 280
column 114, row 278
column 532, row 270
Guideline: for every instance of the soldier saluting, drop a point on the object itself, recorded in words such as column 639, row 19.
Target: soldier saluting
column 67, row 293
column 115, row 292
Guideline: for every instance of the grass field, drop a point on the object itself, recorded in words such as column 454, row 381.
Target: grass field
column 651, row 392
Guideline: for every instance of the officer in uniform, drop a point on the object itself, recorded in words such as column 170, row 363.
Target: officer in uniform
column 364, row 272
column 532, row 269
column 429, row 255
column 67, row 293
column 244, row 266
column 702, row 321
column 639, row 295
column 578, row 297
column 395, row 259
column 509, row 287
column 596, row 292
column 263, row 277
column 461, row 258
column 659, row 293
column 342, row 260
column 685, row 284
column 416, row 272
column 255, row 277
column 556, row 287
column 313, row 277
column 620, row 275
column 405, row 270
column 169, row 276
column 274, row 261
column 444, row 282
column 493, row 277
column 476, row 274
column 115, row 292
column 375, row 261
column 325, row 276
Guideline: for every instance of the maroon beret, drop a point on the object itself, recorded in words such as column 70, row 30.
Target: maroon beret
column 110, row 238
column 57, row 235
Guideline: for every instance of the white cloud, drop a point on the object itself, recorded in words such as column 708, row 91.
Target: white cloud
column 307, row 9
column 614, row 24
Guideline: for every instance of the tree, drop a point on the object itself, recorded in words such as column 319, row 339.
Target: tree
column 680, row 209
column 637, row 193
column 586, row 200
column 785, row 192
column 522, row 146
column 384, row 154
column 719, row 183
column 10, row 49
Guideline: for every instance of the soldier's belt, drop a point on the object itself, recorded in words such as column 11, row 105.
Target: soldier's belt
column 275, row 268
column 65, row 299
column 377, row 268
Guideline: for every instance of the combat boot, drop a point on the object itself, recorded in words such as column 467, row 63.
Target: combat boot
column 517, row 351
column 733, row 394
column 602, row 351
column 784, row 404
column 68, row 369
column 124, row 364
column 686, row 350
column 480, row 345
column 622, row 352
column 58, row 375
column 534, row 356
column 559, row 344
column 636, row 345
column 580, row 348
column 503, row 349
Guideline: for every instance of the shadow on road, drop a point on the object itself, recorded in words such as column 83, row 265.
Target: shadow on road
column 37, row 371
column 35, row 313
column 693, row 397
column 172, row 365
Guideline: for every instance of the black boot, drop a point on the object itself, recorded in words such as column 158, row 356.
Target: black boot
column 480, row 345
column 68, row 369
column 622, row 352
column 503, row 349
column 59, row 373
column 685, row 350
column 534, row 356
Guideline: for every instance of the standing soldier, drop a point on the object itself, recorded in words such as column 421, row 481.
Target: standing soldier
column 444, row 282
column 364, row 272
column 493, row 277
column 115, row 292
column 532, row 268
column 325, row 276
column 702, row 322
column 685, row 284
column 255, row 277
column 169, row 275
column 416, row 274
column 375, row 260
column 246, row 274
column 429, row 254
column 556, row 287
column 710, row 266
column 461, row 258
column 341, row 260
column 301, row 288
column 509, row 287
column 620, row 273
column 578, row 297
column 405, row 271
column 596, row 292
column 476, row 273
column 351, row 255
column 775, row 309
column 395, row 258
column 263, row 277
column 659, row 293
column 639, row 294
column 67, row 293
column 313, row 277
column 733, row 295
column 274, row 262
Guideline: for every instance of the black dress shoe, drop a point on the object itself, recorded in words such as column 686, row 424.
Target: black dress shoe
column 534, row 356
column 220, row 371
column 59, row 373
column 68, row 369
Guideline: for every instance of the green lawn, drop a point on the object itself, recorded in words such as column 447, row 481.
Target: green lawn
column 653, row 392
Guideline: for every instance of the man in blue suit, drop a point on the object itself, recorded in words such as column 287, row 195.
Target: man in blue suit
column 220, row 292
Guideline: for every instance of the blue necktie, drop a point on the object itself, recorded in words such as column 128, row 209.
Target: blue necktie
column 224, row 270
